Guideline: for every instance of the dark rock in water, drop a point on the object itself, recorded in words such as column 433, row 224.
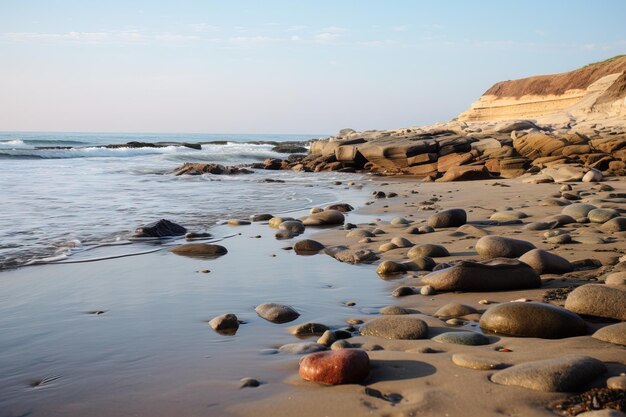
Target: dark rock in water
column 249, row 383
column 495, row 275
column 343, row 366
column 190, row 168
column 293, row 226
column 277, row 313
column 448, row 218
column 307, row 246
column 199, row 250
column 226, row 324
column 387, row 268
column 343, row 254
column 308, row 329
column 197, row 235
column 502, row 247
column 462, row 338
column 598, row 300
column 161, row 228
column 396, row 327
column 563, row 374
column 520, row 319
column 289, row 148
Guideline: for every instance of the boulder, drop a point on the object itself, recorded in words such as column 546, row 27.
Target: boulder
column 454, row 310
column 292, row 226
column 307, row 246
column 462, row 338
column 448, row 218
column 396, row 327
column 545, row 262
column 593, row 175
column 199, row 250
column 616, row 224
column 226, row 324
column 429, row 250
column 277, row 313
column 387, row 268
column 563, row 374
column 495, row 275
column 530, row 319
column 344, row 366
column 616, row 278
column 602, row 215
column 325, row 218
column 598, row 300
column 502, row 247
column 565, row 173
column 614, row 333
column 578, row 210
column 160, row 228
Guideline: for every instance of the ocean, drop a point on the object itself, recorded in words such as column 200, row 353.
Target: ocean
column 63, row 192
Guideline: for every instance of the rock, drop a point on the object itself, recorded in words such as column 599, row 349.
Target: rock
column 470, row 229
column 403, row 291
column 390, row 268
column 302, row 348
column 215, row 169
column 428, row 249
column 598, row 300
column 448, row 218
column 292, row 226
column 476, row 362
column 396, row 327
column 616, row 224
column 508, row 127
column 616, row 382
column 465, row 173
column 307, row 246
column 199, row 250
column 386, row 247
column 226, row 324
column 401, row 242
column 578, row 210
column 249, row 383
column 565, row 173
column 360, row 234
column 344, row 366
column 593, row 175
column 284, row 234
column 425, row 229
column 422, row 263
column 532, row 319
column 342, row 207
column 238, row 222
column 454, row 310
column 261, row 217
column 614, row 333
column 427, row 290
column 502, row 247
column 539, row 226
column 616, row 278
column 507, row 215
column 462, row 338
column 353, row 256
column 555, row 202
column 341, row 344
column 560, row 239
column 161, row 228
column 602, row 215
column 496, row 275
column 327, row 338
column 545, row 262
column 275, row 222
column 325, row 218
column 561, row 220
column 308, row 329
column 399, row 221
column 277, row 313
column 563, row 374
column 394, row 311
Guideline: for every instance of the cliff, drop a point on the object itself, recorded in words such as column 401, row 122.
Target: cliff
column 596, row 91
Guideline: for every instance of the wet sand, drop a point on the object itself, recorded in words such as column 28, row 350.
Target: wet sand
column 152, row 352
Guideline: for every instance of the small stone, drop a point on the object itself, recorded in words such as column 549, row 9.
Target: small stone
column 425, row 229
column 616, row 224
column 395, row 310
column 399, row 221
column 307, row 246
column 578, row 210
column 484, row 302
column 593, row 175
column 249, row 383
column 545, row 262
column 277, row 313
column 325, row 218
column 199, row 250
column 462, row 338
column 386, row 247
column 602, row 215
column 507, row 215
column 454, row 310
column 302, row 348
column 403, row 291
column 560, row 239
column 293, row 226
column 427, row 290
column 308, row 329
column 428, row 249
column 341, row 344
column 343, row 366
column 387, row 268
column 226, row 324
column 616, row 382
column 401, row 242
column 238, row 222
column 448, row 218
column 327, row 338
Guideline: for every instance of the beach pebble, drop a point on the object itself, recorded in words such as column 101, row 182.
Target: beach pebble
column 616, row 278
column 484, row 302
column 616, row 224
column 261, row 217
column 539, row 226
column 342, row 207
column 554, row 202
column 425, row 229
column 470, row 229
column 531, row 319
column 387, row 268
column 578, row 210
column 560, row 220
column 325, row 218
column 308, row 329
column 427, row 290
column 226, row 324
column 476, row 362
column 386, row 247
column 307, row 246
column 360, row 234
column 428, row 249
column 396, row 327
column 401, row 242
column 355, row 256
column 199, row 250
column 341, row 344
column 274, row 222
column 593, row 175
column 314, row 210
column 395, row 310
column 327, row 338
column 422, row 263
column 602, row 215
column 497, row 275
column 560, row 239
column 545, row 262
column 343, row 366
column 614, row 333
column 302, row 348
column 508, row 215
column 562, row 374
column 238, row 222
column 462, row 338
column 598, row 300
column 502, row 247
column 455, row 322
column 197, row 235
column 448, row 218
column 399, row 221
column 453, row 310
column 403, row 291
column 284, row 234
column 616, row 382
column 249, row 383
column 277, row 313
column 292, row 226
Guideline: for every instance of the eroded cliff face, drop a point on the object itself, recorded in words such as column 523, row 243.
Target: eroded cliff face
column 594, row 91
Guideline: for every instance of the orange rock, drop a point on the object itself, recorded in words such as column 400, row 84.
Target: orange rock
column 344, row 366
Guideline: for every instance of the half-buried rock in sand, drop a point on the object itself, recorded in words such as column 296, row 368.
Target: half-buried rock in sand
column 199, row 250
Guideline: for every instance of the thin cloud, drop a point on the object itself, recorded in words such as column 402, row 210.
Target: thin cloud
column 204, row 27
column 76, row 37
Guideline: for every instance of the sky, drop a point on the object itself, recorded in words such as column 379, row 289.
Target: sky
column 270, row 66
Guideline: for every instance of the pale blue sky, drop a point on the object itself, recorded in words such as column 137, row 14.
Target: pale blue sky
column 280, row 66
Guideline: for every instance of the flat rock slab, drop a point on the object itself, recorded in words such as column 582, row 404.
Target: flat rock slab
column 598, row 300
column 521, row 319
column 462, row 338
column 496, row 275
column 563, row 374
column 396, row 327
column 480, row 363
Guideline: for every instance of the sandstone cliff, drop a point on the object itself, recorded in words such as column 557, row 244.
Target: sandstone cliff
column 596, row 91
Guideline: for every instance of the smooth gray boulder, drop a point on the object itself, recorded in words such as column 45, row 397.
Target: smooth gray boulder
column 578, row 210
column 428, row 249
column 448, row 218
column 502, row 247
column 601, row 215
column 462, row 338
column 277, row 313
column 524, row 319
column 494, row 275
column 598, row 300
column 563, row 374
